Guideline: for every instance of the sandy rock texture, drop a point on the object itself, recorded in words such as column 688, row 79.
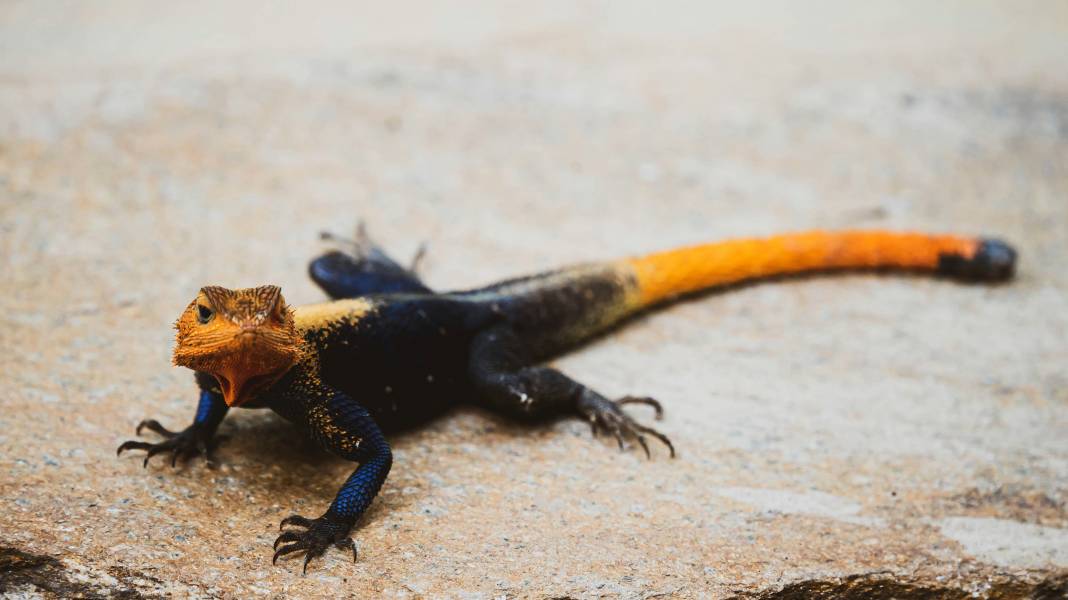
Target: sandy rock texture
column 840, row 437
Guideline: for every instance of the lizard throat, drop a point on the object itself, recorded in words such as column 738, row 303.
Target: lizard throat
column 239, row 387
column 244, row 367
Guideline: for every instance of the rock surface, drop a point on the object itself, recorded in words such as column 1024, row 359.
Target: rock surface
column 856, row 436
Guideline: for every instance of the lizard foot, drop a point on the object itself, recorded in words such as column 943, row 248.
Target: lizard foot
column 317, row 536
column 608, row 415
column 185, row 444
column 362, row 247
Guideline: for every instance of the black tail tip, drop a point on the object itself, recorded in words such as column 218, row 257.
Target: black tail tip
column 994, row 260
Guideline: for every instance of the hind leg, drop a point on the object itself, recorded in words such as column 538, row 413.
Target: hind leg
column 505, row 383
column 366, row 269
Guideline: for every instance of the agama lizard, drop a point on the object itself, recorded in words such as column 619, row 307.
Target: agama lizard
column 388, row 351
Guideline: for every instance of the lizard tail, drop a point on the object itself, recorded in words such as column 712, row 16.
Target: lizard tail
column 665, row 275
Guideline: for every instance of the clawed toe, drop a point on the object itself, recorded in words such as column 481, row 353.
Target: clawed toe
column 132, row 445
column 284, row 550
column 182, row 445
column 153, row 425
column 297, row 520
column 360, row 246
column 644, row 445
column 417, row 259
column 288, row 536
column 604, row 414
column 347, row 544
column 653, row 402
column 639, row 429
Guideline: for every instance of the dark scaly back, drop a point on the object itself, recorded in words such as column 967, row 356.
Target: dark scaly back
column 557, row 310
column 402, row 356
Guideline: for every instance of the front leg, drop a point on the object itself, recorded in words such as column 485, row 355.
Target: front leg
column 343, row 427
column 198, row 438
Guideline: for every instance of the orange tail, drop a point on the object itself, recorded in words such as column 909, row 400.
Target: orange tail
column 667, row 274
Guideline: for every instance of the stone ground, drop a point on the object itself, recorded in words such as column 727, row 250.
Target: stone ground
column 855, row 436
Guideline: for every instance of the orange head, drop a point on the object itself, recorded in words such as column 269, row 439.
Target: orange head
column 245, row 338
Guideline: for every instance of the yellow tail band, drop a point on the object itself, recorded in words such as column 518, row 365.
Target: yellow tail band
column 664, row 275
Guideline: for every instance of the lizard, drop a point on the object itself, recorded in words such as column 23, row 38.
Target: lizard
column 388, row 352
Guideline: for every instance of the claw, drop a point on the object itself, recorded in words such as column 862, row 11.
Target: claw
column 287, row 550
column 307, row 559
column 641, row 440
column 288, row 536
column 362, row 237
column 420, row 254
column 297, row 520
column 209, row 455
column 153, row 450
column 347, row 543
column 653, row 402
column 132, row 445
column 617, row 432
column 663, row 438
column 153, row 425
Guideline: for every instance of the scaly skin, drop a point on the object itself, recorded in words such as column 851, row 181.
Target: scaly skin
column 388, row 352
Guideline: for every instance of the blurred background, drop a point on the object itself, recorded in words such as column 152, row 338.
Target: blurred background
column 619, row 127
column 827, row 427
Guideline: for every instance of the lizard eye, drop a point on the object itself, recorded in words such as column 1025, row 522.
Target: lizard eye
column 204, row 314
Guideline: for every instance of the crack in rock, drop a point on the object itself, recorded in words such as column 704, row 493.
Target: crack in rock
column 38, row 575
column 885, row 587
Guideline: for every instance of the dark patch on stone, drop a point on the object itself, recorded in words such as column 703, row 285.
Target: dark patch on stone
column 1032, row 112
column 885, row 587
column 46, row 575
column 1028, row 113
column 12, row 560
column 1011, row 502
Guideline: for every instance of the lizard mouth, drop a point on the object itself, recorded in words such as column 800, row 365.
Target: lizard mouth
column 238, row 388
column 245, row 365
